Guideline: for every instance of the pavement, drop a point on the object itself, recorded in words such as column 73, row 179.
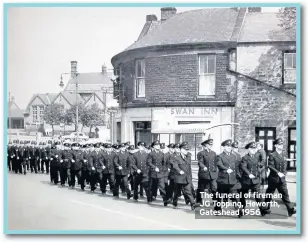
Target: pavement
column 35, row 204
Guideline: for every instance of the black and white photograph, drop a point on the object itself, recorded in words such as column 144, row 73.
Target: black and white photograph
column 152, row 119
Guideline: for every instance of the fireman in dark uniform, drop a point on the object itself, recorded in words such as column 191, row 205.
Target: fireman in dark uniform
column 32, row 157
column 228, row 176
column 97, row 168
column 66, row 157
column 157, row 167
column 131, row 150
column 48, row 155
column 122, row 169
column 43, row 157
column 55, row 157
column 182, row 176
column 277, row 178
column 74, row 164
column 208, row 170
column 251, row 176
column 9, row 155
column 25, row 157
column 38, row 156
column 169, row 171
column 108, row 168
column 19, row 156
column 86, row 169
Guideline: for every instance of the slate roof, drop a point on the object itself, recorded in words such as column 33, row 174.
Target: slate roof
column 263, row 27
column 89, row 82
column 196, row 26
column 71, row 97
column 47, row 98
column 14, row 111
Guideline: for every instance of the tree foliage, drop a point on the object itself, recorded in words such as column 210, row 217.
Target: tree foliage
column 287, row 17
column 53, row 115
column 92, row 116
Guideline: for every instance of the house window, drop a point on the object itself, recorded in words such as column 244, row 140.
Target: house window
column 140, row 81
column 289, row 72
column 292, row 148
column 34, row 111
column 207, row 75
column 232, row 60
column 42, row 108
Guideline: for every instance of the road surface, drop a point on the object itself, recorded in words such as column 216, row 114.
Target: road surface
column 35, row 204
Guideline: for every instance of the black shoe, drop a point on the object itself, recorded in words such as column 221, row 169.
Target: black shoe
column 196, row 205
column 167, row 202
column 116, row 197
column 149, row 202
column 187, row 202
column 135, row 200
column 291, row 212
column 153, row 198
column 175, row 206
column 264, row 212
column 129, row 196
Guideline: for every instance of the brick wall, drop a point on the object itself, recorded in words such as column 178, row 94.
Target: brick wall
column 257, row 104
column 174, row 78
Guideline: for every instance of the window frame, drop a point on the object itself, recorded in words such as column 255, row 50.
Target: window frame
column 290, row 143
column 138, row 78
column 35, row 113
column 230, row 52
column 207, row 73
column 284, row 68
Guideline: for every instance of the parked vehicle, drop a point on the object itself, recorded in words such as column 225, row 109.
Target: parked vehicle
column 73, row 137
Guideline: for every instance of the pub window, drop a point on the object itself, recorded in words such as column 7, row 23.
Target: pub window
column 140, row 78
column 289, row 70
column 42, row 112
column 207, row 75
column 266, row 137
column 292, row 148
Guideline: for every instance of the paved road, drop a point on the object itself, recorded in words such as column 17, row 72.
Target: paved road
column 35, row 204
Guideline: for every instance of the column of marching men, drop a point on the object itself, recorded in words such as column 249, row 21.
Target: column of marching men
column 148, row 169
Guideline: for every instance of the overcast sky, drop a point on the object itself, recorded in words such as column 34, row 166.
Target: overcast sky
column 43, row 41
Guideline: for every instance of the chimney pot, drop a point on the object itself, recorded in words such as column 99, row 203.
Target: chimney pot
column 254, row 10
column 73, row 68
column 167, row 13
column 151, row 17
column 104, row 69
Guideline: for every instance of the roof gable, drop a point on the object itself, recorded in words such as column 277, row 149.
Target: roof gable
column 14, row 111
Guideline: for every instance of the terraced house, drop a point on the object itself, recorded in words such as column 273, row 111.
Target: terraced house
column 208, row 66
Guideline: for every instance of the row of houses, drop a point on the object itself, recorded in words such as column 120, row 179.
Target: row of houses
column 207, row 66
column 92, row 88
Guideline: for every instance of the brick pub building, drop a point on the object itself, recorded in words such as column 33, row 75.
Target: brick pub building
column 208, row 66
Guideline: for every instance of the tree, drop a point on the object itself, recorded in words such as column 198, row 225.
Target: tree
column 53, row 114
column 70, row 115
column 92, row 116
column 287, row 17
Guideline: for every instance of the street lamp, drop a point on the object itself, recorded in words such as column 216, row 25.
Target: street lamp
column 74, row 75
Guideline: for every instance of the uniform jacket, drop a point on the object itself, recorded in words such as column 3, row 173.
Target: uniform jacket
column 88, row 158
column 25, row 153
column 97, row 160
column 139, row 161
column 207, row 159
column 66, row 156
column 182, row 164
column 277, row 163
column 78, row 157
column 224, row 162
column 122, row 159
column 43, row 153
column 31, row 152
column 108, row 162
column 55, row 158
column 168, row 165
column 251, row 165
column 48, row 152
column 156, row 159
column 37, row 152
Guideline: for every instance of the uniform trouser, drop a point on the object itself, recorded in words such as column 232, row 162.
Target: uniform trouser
column 131, row 181
column 95, row 176
column 28, row 164
column 186, row 190
column 46, row 163
column 203, row 184
column 160, row 183
column 84, row 174
column 38, row 163
column 71, row 176
column 33, row 165
column 170, row 188
column 24, row 165
column 63, row 174
column 154, row 187
column 111, row 180
column 255, row 188
column 142, row 182
column 78, row 174
column 121, row 179
column 227, row 189
column 283, row 190
column 54, row 176
column 141, row 189
column 17, row 165
column 9, row 163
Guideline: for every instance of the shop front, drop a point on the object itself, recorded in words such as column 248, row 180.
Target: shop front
column 176, row 125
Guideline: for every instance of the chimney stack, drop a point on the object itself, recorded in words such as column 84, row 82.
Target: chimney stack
column 104, row 69
column 150, row 18
column 254, row 10
column 73, row 68
column 167, row 13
